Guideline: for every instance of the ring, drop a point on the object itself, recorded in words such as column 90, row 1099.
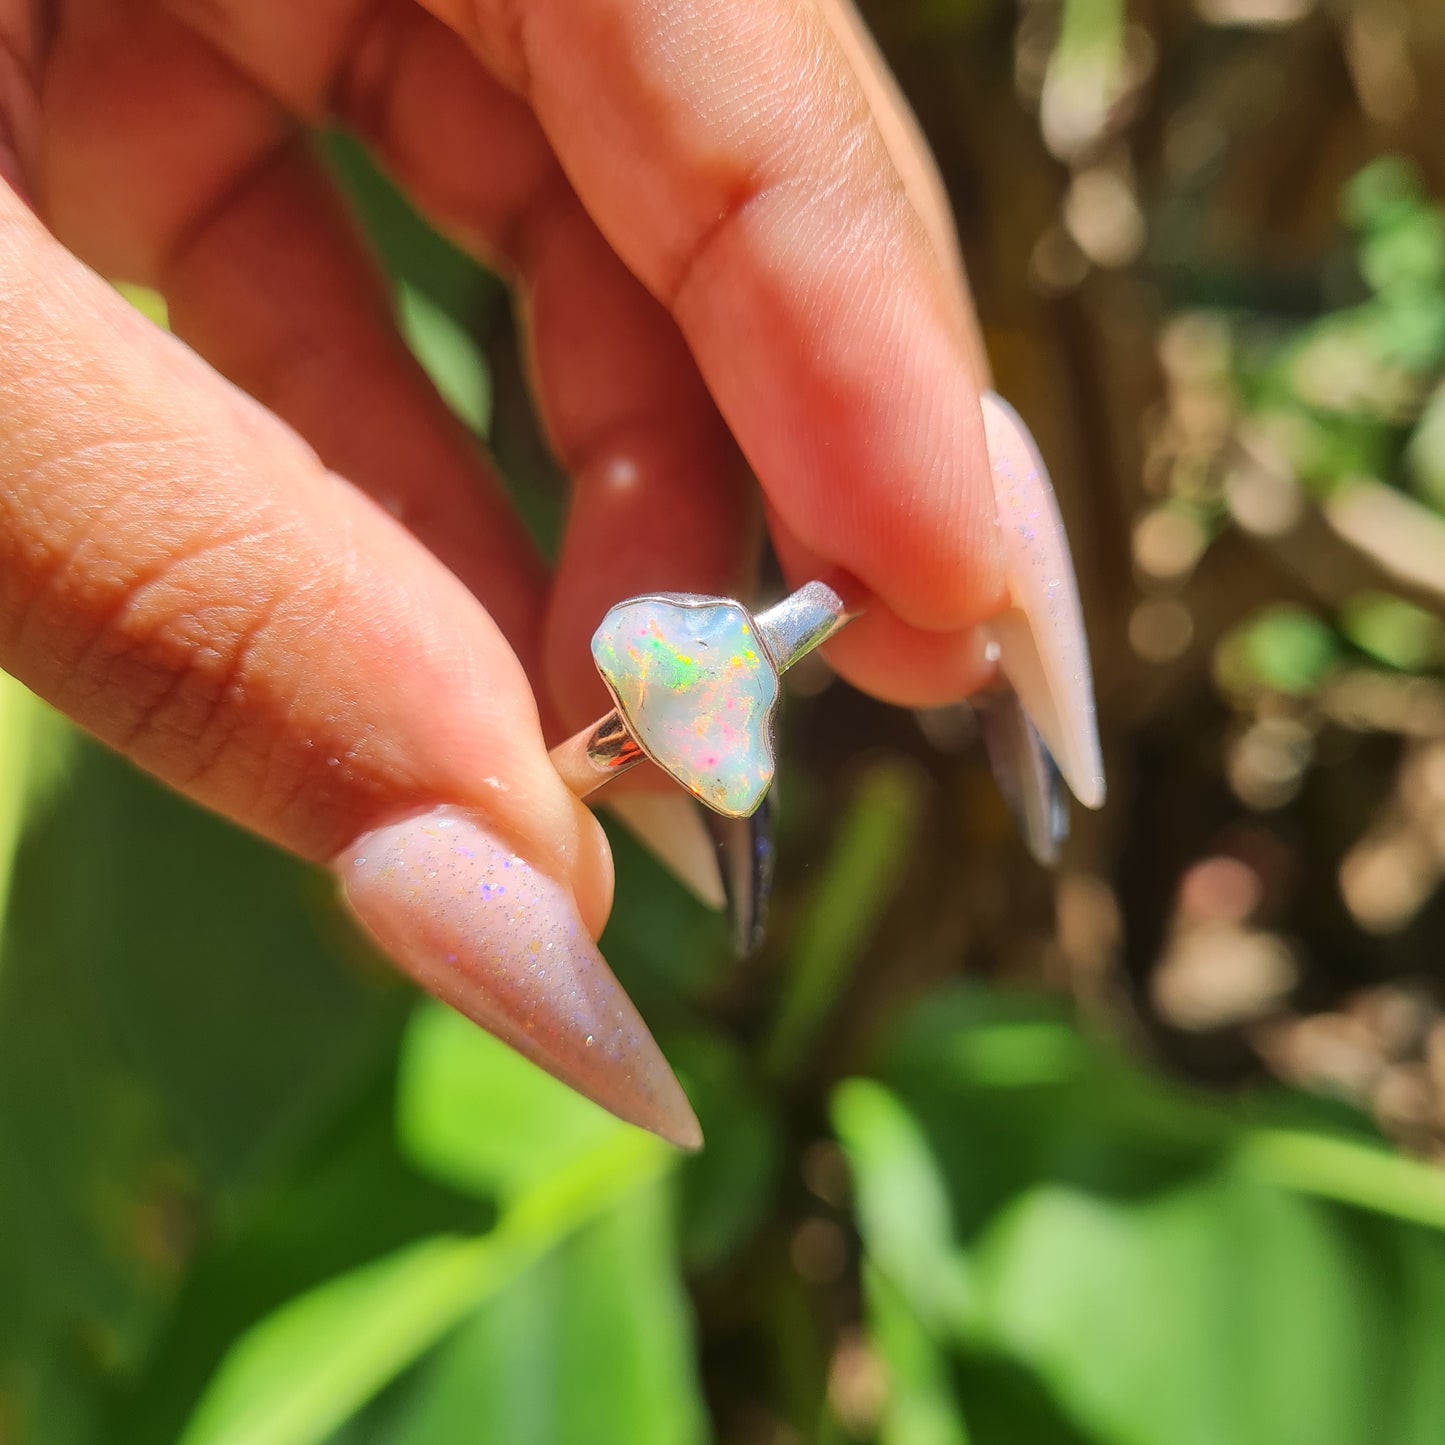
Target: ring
column 695, row 680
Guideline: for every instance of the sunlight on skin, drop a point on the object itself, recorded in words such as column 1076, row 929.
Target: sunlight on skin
column 1040, row 647
column 310, row 607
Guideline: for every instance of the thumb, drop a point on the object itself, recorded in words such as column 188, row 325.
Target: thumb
column 181, row 575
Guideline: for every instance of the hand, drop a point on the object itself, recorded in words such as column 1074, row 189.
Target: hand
column 263, row 560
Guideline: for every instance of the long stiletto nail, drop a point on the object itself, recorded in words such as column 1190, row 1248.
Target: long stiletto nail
column 723, row 862
column 746, row 858
column 486, row 932
column 672, row 828
column 1043, row 649
column 1025, row 773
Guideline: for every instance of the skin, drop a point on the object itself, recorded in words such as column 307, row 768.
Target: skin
column 732, row 256
column 259, row 556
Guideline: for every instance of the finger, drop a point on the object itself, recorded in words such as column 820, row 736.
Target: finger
column 925, row 669
column 279, row 296
column 907, row 149
column 658, row 503
column 470, row 151
column 184, row 577
column 661, row 498
column 181, row 575
column 912, row 158
column 231, row 218
column 728, row 154
column 421, row 109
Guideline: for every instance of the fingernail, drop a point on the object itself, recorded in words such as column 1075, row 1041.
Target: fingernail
column 746, row 851
column 1043, row 649
column 486, row 932
column 1026, row 775
column 671, row 827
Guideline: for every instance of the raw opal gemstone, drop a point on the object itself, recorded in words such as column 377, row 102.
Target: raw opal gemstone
column 697, row 689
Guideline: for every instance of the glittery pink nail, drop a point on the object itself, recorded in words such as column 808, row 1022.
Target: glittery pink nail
column 486, row 932
column 1043, row 649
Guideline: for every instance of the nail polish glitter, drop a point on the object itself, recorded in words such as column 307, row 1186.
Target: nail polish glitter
column 481, row 928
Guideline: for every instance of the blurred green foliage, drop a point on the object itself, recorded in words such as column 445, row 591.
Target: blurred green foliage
column 253, row 1191
column 1116, row 1221
column 1283, row 648
column 1352, row 398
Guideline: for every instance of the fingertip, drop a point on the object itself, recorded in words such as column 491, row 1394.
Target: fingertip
column 886, row 656
column 908, row 667
column 878, row 463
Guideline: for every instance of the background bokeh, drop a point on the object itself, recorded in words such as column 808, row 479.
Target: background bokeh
column 1146, row 1151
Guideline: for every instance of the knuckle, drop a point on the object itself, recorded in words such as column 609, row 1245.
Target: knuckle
column 497, row 28
column 198, row 637
column 192, row 673
column 228, row 702
column 156, row 670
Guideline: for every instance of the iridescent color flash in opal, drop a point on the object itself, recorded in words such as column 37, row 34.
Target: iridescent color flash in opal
column 697, row 689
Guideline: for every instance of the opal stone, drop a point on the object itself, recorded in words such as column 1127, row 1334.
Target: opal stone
column 697, row 689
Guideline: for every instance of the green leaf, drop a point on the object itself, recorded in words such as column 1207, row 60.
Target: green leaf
column 1283, row 648
column 411, row 251
column 1404, row 342
column 1349, row 1171
column 1425, row 453
column 1006, row 1091
column 664, row 945
column 904, row 1213
column 1143, row 1264
column 312, row 1364
column 19, row 719
column 1327, row 448
column 1085, row 74
column 1393, row 631
column 864, row 868
column 306, row 1369
column 1383, row 192
column 1406, row 254
column 920, row 1407
column 305, row 1230
column 592, row 1344
column 448, row 355
column 174, row 1024
column 728, row 1188
column 151, row 304
column 1221, row 1310
column 1415, row 1273
column 477, row 1116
